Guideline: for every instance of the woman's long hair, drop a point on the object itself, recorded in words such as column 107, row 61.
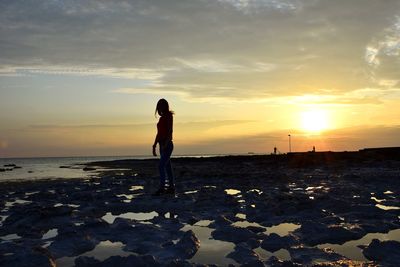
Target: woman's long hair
column 162, row 108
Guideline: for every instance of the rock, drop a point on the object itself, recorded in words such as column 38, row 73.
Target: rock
column 255, row 263
column 10, row 165
column 2, row 170
column 65, row 167
column 119, row 261
column 89, row 169
column 314, row 233
column 221, row 221
column 306, row 255
column 65, row 246
column 385, row 252
column 243, row 254
column 22, row 255
column 253, row 243
column 274, row 242
column 275, row 262
column 232, row 234
column 188, row 245
column 180, row 263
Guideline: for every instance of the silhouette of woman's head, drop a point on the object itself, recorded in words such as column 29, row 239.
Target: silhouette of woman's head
column 162, row 107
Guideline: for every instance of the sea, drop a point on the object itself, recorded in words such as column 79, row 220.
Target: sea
column 49, row 167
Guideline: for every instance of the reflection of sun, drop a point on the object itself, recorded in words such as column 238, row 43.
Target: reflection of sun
column 314, row 120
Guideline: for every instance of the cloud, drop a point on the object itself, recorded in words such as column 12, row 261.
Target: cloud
column 252, row 6
column 227, row 49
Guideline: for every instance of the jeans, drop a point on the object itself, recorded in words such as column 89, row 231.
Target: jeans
column 165, row 164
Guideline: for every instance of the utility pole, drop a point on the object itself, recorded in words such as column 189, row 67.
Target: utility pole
column 290, row 143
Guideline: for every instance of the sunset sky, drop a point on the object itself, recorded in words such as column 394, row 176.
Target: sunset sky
column 82, row 78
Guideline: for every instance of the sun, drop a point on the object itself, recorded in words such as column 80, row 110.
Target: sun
column 314, row 120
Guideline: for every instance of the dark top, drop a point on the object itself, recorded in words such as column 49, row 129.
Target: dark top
column 164, row 129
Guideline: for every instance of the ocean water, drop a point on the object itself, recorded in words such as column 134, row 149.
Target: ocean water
column 49, row 167
column 44, row 168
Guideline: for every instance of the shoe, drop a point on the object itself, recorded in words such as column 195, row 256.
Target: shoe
column 159, row 192
column 170, row 190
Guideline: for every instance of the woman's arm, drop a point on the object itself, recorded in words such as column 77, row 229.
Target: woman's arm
column 155, row 145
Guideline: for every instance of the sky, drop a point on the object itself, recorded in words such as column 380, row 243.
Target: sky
column 82, row 78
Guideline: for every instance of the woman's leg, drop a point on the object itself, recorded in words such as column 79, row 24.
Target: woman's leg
column 165, row 164
column 168, row 166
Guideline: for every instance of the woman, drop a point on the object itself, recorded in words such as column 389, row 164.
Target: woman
column 164, row 139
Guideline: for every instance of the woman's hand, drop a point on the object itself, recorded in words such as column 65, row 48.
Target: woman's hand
column 154, row 151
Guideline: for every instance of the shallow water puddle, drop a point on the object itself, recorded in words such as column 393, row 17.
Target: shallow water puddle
column 69, row 205
column 211, row 250
column 170, row 215
column 241, row 216
column 17, row 202
column 191, row 192
column 232, row 192
column 138, row 216
column 128, row 198
column 50, row 234
column 388, row 192
column 244, row 224
column 377, row 200
column 258, row 191
column 351, row 250
column 31, row 193
column 3, row 218
column 281, row 254
column 9, row 237
column 101, row 252
column 383, row 207
column 136, row 187
column 282, row 229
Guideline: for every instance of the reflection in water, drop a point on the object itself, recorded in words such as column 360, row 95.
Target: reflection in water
column 101, row 252
column 31, row 193
column 232, row 191
column 383, row 207
column 258, row 191
column 211, row 250
column 241, row 216
column 351, row 250
column 10, row 237
column 17, row 202
column 50, row 234
column 139, row 216
column 245, row 224
column 191, row 192
column 281, row 254
column 136, row 187
column 282, row 229
column 377, row 200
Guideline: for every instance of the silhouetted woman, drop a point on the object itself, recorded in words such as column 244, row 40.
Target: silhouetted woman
column 164, row 139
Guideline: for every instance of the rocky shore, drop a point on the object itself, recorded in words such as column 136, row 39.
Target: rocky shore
column 300, row 209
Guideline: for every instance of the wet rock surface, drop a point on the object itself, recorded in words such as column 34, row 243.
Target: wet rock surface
column 284, row 206
column 385, row 252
